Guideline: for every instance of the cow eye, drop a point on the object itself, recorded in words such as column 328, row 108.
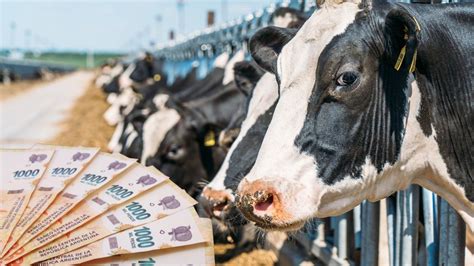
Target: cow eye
column 174, row 152
column 347, row 79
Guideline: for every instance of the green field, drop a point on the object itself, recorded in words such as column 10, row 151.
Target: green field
column 73, row 59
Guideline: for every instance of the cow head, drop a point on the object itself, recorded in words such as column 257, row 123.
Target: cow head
column 148, row 70
column 337, row 131
column 174, row 143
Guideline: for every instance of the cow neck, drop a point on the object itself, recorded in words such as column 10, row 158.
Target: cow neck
column 446, row 89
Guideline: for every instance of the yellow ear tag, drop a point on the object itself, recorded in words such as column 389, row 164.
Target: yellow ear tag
column 399, row 62
column 157, row 77
column 413, row 63
column 210, row 139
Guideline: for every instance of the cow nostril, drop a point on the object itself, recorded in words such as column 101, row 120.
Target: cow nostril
column 264, row 202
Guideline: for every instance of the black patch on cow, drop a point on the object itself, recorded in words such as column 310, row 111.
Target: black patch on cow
column 245, row 154
column 424, row 117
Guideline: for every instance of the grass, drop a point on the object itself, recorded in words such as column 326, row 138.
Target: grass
column 76, row 59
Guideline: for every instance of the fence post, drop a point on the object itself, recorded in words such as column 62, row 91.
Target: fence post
column 430, row 215
column 370, row 233
column 391, row 222
column 341, row 236
column 452, row 236
column 407, row 226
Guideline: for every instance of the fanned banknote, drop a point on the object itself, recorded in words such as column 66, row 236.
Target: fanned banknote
column 75, row 205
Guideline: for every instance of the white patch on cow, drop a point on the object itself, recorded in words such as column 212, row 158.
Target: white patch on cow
column 160, row 100
column 229, row 68
column 131, row 137
column 279, row 161
column 128, row 98
column 155, row 129
column 114, row 141
column 124, row 80
column 107, row 77
column 264, row 95
column 111, row 98
column 221, row 60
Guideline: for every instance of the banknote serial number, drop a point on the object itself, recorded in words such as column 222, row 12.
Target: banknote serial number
column 26, row 173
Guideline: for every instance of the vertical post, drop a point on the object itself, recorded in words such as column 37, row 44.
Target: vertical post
column 370, row 233
column 430, row 215
column 357, row 226
column 406, row 238
column 410, row 225
column 452, row 236
column 341, row 235
column 391, row 223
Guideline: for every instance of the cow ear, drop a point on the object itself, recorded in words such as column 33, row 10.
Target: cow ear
column 401, row 31
column 267, row 43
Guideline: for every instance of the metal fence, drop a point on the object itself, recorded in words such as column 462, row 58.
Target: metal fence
column 411, row 227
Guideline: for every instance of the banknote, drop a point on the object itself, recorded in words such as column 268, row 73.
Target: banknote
column 66, row 164
column 180, row 229
column 197, row 254
column 156, row 203
column 104, row 168
column 127, row 186
column 20, row 172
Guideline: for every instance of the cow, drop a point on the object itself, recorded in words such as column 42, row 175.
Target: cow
column 180, row 139
column 374, row 96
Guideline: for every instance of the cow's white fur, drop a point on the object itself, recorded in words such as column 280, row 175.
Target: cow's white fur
column 221, row 60
column 160, row 100
column 264, row 95
column 114, row 141
column 229, row 68
column 107, row 77
column 127, row 98
column 124, row 80
column 155, row 129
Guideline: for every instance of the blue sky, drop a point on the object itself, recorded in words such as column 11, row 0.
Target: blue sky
column 105, row 25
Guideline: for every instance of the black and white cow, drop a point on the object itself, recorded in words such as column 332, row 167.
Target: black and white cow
column 352, row 122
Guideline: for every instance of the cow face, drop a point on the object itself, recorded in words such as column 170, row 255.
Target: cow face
column 339, row 122
column 172, row 144
column 147, row 70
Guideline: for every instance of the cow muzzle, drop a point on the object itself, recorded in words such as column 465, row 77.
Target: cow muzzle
column 216, row 202
column 263, row 202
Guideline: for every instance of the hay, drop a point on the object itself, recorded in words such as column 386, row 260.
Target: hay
column 85, row 126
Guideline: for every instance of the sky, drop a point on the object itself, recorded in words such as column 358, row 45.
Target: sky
column 105, row 25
